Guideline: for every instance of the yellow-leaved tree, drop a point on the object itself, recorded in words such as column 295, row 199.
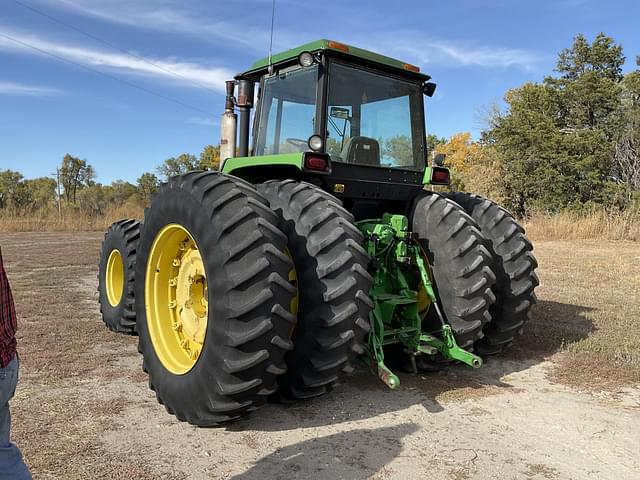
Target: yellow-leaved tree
column 460, row 151
column 474, row 167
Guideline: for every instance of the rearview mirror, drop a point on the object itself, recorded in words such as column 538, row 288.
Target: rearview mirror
column 439, row 159
column 429, row 89
column 339, row 112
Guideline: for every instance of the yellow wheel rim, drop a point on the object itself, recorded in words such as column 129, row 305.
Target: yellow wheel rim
column 424, row 302
column 114, row 278
column 176, row 299
column 295, row 301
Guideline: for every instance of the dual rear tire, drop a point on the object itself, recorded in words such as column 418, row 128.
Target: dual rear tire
column 246, row 291
column 514, row 266
column 116, row 276
column 460, row 264
column 216, row 279
column 333, row 287
column 483, row 268
column 213, row 273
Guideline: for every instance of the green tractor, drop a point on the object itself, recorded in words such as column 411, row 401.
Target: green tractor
column 319, row 244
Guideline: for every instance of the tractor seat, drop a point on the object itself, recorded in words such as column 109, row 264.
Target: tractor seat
column 361, row 150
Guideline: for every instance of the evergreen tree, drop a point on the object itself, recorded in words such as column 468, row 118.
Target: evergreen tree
column 556, row 140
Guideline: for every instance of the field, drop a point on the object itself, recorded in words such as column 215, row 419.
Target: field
column 562, row 404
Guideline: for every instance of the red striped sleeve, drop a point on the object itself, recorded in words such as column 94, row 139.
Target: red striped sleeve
column 8, row 322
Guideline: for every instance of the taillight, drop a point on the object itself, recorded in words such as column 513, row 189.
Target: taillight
column 317, row 162
column 440, row 176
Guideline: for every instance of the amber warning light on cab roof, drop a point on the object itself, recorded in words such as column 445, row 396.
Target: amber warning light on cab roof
column 338, row 46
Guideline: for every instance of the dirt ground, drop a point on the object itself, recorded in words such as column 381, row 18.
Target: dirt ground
column 562, row 404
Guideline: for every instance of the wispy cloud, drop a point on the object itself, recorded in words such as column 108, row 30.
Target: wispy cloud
column 171, row 16
column 222, row 25
column 428, row 51
column 186, row 73
column 14, row 88
column 488, row 56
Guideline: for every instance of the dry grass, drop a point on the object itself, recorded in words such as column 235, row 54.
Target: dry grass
column 71, row 221
column 67, row 357
column 587, row 313
column 597, row 224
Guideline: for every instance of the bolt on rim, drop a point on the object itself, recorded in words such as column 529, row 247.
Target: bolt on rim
column 295, row 301
column 114, row 278
column 176, row 299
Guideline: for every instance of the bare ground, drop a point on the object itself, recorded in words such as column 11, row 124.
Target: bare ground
column 563, row 403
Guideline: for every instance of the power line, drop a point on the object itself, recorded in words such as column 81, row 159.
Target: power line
column 109, row 44
column 112, row 77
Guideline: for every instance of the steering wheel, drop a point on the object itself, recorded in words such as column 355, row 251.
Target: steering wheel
column 298, row 143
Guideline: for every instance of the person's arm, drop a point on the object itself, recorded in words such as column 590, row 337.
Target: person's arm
column 8, row 321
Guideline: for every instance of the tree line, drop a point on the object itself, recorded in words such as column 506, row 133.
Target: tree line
column 74, row 185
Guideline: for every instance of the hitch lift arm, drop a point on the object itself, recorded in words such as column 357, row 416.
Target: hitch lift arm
column 400, row 271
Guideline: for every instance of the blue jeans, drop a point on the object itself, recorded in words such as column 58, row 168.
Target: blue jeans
column 12, row 465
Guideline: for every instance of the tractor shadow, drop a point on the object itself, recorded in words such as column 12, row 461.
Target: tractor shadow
column 358, row 453
column 553, row 327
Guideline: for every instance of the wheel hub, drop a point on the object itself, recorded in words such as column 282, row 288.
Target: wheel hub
column 189, row 288
column 176, row 299
column 114, row 278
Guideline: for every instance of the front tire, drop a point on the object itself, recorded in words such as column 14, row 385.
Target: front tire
column 212, row 271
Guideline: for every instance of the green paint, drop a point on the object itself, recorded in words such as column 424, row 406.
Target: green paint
column 232, row 165
column 323, row 44
column 426, row 179
column 399, row 274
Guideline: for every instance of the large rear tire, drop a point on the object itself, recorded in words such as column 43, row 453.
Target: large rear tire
column 214, row 296
column 514, row 266
column 460, row 263
column 116, row 276
column 333, row 285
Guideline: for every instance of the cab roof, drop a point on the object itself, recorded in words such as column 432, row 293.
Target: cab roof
column 340, row 49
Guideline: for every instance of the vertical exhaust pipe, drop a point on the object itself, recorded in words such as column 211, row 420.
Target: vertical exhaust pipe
column 245, row 103
column 228, row 126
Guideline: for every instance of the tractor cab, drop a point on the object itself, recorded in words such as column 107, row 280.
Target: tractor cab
column 346, row 119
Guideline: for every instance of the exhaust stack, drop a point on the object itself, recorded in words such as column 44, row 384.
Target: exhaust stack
column 245, row 103
column 228, row 126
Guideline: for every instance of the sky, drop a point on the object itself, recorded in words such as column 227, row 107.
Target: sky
column 126, row 84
